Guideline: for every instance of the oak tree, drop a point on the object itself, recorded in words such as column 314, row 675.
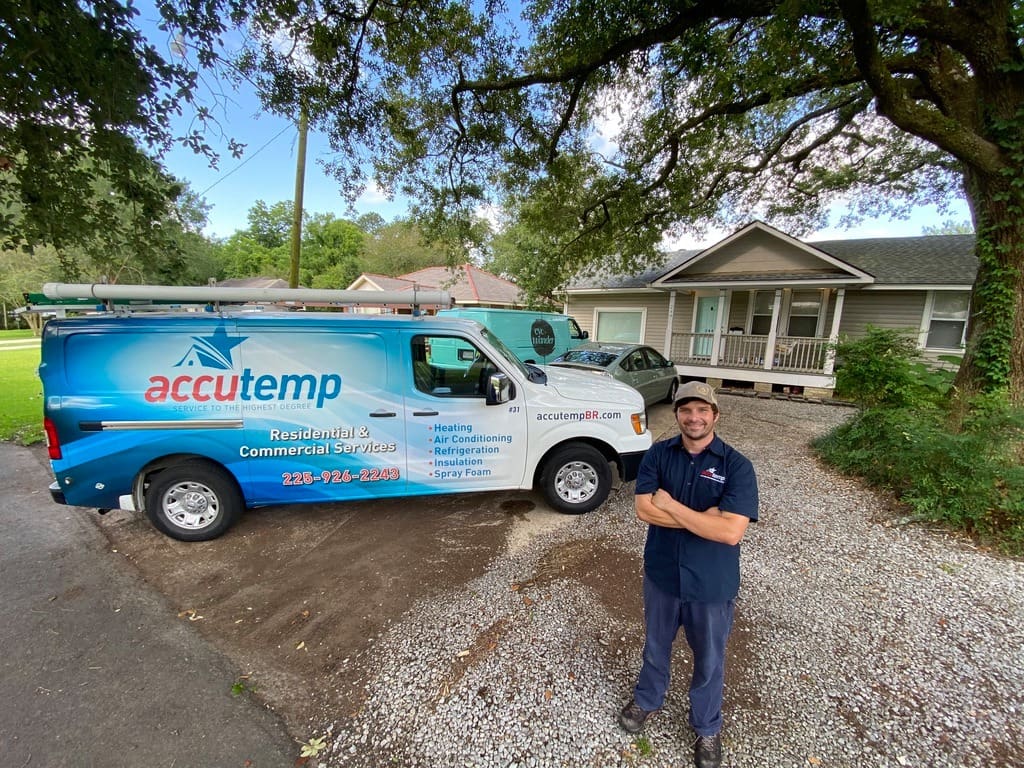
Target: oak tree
column 725, row 110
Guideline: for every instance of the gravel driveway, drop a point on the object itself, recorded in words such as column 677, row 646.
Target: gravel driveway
column 858, row 641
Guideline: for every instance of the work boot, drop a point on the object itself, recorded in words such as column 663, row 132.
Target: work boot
column 707, row 751
column 632, row 717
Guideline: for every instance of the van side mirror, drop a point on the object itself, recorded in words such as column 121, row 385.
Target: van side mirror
column 586, row 334
column 500, row 389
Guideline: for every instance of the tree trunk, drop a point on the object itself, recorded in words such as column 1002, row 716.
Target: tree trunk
column 994, row 358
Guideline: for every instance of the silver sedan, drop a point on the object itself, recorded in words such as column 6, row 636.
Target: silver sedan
column 638, row 365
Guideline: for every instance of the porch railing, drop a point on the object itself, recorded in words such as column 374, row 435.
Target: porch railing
column 798, row 354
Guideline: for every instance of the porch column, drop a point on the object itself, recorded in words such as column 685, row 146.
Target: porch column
column 716, row 342
column 769, row 346
column 833, row 335
column 667, row 351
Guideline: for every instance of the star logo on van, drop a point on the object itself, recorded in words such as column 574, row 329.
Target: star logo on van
column 211, row 351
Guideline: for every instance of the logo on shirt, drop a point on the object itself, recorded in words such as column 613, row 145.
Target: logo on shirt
column 712, row 474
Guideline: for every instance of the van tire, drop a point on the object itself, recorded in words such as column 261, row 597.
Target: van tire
column 193, row 501
column 576, row 479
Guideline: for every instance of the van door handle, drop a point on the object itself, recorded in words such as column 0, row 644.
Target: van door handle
column 383, row 414
column 424, row 413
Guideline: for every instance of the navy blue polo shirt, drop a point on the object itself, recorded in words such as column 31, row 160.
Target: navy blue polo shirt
column 681, row 563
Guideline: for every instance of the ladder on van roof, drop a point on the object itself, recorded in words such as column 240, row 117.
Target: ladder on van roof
column 59, row 298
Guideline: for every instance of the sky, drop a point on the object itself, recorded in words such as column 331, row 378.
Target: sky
column 266, row 172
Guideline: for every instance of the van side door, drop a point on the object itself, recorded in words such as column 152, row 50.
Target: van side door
column 322, row 422
column 454, row 440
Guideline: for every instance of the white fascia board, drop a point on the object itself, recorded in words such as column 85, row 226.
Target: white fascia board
column 760, row 284
column 584, row 291
column 919, row 287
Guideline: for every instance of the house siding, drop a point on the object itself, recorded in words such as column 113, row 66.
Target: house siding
column 584, row 308
column 900, row 310
column 757, row 252
column 738, row 310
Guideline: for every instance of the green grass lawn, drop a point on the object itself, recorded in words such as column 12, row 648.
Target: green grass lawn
column 21, row 401
column 19, row 334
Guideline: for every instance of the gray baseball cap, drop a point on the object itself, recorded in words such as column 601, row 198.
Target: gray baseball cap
column 696, row 390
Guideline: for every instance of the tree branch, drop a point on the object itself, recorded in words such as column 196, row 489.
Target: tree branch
column 895, row 104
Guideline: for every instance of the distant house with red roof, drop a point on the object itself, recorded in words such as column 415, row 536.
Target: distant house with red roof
column 468, row 285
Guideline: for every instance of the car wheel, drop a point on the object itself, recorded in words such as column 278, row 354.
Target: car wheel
column 193, row 501
column 576, row 479
column 672, row 389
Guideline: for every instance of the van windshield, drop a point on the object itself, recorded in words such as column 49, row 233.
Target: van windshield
column 507, row 353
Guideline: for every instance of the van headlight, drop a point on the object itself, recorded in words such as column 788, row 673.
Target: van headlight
column 639, row 422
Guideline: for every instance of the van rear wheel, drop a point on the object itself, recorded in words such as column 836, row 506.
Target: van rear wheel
column 193, row 501
column 576, row 479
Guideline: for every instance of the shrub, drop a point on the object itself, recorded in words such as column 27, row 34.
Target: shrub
column 970, row 478
column 879, row 369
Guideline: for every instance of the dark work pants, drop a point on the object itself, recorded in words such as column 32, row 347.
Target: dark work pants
column 707, row 627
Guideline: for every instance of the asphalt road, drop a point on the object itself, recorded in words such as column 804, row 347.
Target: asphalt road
column 96, row 667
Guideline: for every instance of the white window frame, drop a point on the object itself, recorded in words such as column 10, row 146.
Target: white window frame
column 819, row 325
column 926, row 323
column 752, row 302
column 598, row 311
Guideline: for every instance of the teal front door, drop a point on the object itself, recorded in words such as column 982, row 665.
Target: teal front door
column 707, row 313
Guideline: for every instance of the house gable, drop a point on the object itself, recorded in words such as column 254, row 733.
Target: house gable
column 372, row 282
column 759, row 255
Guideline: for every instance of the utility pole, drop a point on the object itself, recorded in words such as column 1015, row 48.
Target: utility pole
column 300, row 178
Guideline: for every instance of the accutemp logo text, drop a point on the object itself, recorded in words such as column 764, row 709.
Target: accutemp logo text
column 214, row 352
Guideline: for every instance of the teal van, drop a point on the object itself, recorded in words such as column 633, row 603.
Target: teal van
column 534, row 337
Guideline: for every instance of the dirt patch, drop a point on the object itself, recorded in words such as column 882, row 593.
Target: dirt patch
column 298, row 596
column 617, row 578
column 615, row 575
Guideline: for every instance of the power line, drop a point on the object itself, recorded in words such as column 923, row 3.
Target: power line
column 250, row 157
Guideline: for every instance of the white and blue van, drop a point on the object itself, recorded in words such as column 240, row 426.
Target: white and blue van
column 193, row 417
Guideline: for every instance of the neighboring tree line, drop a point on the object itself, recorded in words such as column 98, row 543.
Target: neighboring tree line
column 335, row 251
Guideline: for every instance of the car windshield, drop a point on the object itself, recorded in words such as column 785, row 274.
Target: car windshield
column 588, row 357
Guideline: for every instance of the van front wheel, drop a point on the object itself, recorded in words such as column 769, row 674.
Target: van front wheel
column 576, row 479
column 193, row 501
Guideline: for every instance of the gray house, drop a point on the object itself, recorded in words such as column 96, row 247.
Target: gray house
column 760, row 309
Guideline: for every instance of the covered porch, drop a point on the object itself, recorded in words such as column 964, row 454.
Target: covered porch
column 782, row 336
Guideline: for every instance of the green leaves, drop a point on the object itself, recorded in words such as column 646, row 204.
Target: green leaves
column 83, row 91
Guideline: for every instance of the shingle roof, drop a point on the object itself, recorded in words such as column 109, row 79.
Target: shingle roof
column 604, row 279
column 925, row 260
column 387, row 283
column 467, row 285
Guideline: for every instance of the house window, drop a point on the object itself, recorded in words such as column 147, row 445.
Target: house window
column 619, row 325
column 948, row 320
column 804, row 310
column 761, row 319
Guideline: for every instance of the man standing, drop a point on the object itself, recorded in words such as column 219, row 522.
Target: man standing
column 698, row 495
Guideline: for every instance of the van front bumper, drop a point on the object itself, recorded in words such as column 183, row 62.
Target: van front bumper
column 629, row 465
